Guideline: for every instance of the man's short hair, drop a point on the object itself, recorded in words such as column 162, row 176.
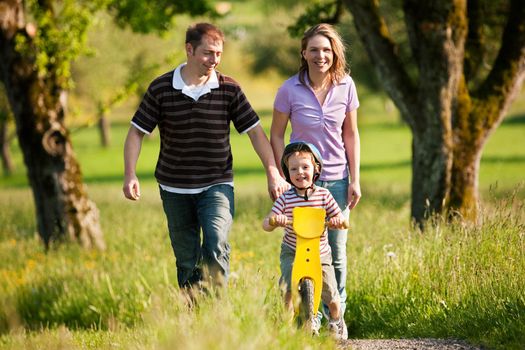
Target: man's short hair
column 196, row 31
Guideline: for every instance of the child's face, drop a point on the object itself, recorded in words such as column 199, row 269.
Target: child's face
column 301, row 168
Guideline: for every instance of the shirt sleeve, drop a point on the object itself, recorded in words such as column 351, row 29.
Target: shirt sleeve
column 331, row 206
column 147, row 115
column 282, row 99
column 242, row 113
column 279, row 205
column 353, row 100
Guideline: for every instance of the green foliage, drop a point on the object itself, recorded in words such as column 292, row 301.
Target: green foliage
column 317, row 12
column 135, row 84
column 59, row 38
column 155, row 16
column 282, row 55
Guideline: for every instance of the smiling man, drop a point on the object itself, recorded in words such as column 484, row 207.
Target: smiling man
column 193, row 106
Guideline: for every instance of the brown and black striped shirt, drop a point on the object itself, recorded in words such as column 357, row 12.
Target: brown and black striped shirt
column 195, row 150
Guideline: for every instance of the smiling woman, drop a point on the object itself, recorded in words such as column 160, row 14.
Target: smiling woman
column 321, row 104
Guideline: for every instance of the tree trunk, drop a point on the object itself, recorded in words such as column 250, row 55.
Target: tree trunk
column 63, row 208
column 431, row 162
column 62, row 205
column 7, row 163
column 464, row 198
column 450, row 110
column 104, row 127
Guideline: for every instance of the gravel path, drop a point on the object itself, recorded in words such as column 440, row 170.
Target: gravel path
column 407, row 344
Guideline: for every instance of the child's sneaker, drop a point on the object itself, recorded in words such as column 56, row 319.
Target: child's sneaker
column 314, row 325
column 338, row 329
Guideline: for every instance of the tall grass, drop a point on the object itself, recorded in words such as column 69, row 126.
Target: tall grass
column 451, row 281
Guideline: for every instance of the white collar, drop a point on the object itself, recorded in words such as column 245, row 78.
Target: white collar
column 179, row 84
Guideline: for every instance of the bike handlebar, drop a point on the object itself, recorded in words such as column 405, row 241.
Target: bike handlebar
column 273, row 222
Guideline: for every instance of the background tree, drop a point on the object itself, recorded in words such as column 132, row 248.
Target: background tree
column 135, row 85
column 466, row 63
column 38, row 41
column 5, row 117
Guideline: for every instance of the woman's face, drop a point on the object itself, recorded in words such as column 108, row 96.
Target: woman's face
column 318, row 54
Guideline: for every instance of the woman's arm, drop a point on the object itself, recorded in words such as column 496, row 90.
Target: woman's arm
column 353, row 153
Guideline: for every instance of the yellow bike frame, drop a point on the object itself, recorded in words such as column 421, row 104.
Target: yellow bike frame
column 309, row 225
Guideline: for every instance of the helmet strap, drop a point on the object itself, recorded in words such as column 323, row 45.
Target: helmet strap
column 305, row 196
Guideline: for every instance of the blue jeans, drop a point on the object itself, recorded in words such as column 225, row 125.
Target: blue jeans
column 187, row 214
column 338, row 238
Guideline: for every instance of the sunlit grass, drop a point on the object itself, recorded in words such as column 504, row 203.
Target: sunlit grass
column 451, row 281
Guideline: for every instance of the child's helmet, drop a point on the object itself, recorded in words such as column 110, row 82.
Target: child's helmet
column 301, row 146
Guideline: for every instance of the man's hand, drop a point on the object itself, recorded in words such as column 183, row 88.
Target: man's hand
column 131, row 188
column 277, row 186
column 132, row 148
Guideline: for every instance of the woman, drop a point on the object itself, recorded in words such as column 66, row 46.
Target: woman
column 321, row 103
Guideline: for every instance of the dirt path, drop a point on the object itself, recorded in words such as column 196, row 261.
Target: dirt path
column 407, row 344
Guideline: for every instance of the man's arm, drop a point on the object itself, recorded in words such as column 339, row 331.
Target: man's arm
column 353, row 151
column 277, row 131
column 132, row 148
column 276, row 184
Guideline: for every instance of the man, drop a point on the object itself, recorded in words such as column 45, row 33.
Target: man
column 192, row 107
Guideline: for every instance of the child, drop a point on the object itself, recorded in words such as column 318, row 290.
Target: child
column 302, row 165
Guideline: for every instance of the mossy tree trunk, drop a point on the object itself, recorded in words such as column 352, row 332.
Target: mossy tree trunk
column 451, row 111
column 5, row 152
column 62, row 206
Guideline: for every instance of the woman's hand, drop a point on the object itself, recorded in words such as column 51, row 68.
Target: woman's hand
column 354, row 194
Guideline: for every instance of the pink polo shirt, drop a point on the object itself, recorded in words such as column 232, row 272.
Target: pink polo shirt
column 319, row 125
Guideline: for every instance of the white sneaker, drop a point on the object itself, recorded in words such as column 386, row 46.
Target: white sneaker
column 314, row 325
column 338, row 329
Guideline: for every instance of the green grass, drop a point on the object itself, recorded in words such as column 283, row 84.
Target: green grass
column 452, row 281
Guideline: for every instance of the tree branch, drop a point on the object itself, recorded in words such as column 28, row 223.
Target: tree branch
column 383, row 51
column 475, row 41
column 508, row 72
column 321, row 12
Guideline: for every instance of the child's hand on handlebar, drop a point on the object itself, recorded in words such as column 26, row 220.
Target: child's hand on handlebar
column 278, row 220
column 338, row 222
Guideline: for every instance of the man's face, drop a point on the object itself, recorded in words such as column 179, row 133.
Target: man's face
column 206, row 56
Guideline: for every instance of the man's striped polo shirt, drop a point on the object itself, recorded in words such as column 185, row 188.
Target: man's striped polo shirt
column 195, row 149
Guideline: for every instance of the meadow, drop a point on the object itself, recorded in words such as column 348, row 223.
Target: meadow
column 452, row 281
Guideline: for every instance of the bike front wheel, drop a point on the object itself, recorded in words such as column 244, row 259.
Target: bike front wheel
column 307, row 313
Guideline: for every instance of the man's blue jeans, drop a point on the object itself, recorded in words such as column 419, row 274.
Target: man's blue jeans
column 338, row 238
column 187, row 214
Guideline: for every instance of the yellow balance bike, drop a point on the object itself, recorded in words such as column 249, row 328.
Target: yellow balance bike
column 307, row 277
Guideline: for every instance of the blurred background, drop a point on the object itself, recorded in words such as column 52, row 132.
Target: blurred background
column 260, row 54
